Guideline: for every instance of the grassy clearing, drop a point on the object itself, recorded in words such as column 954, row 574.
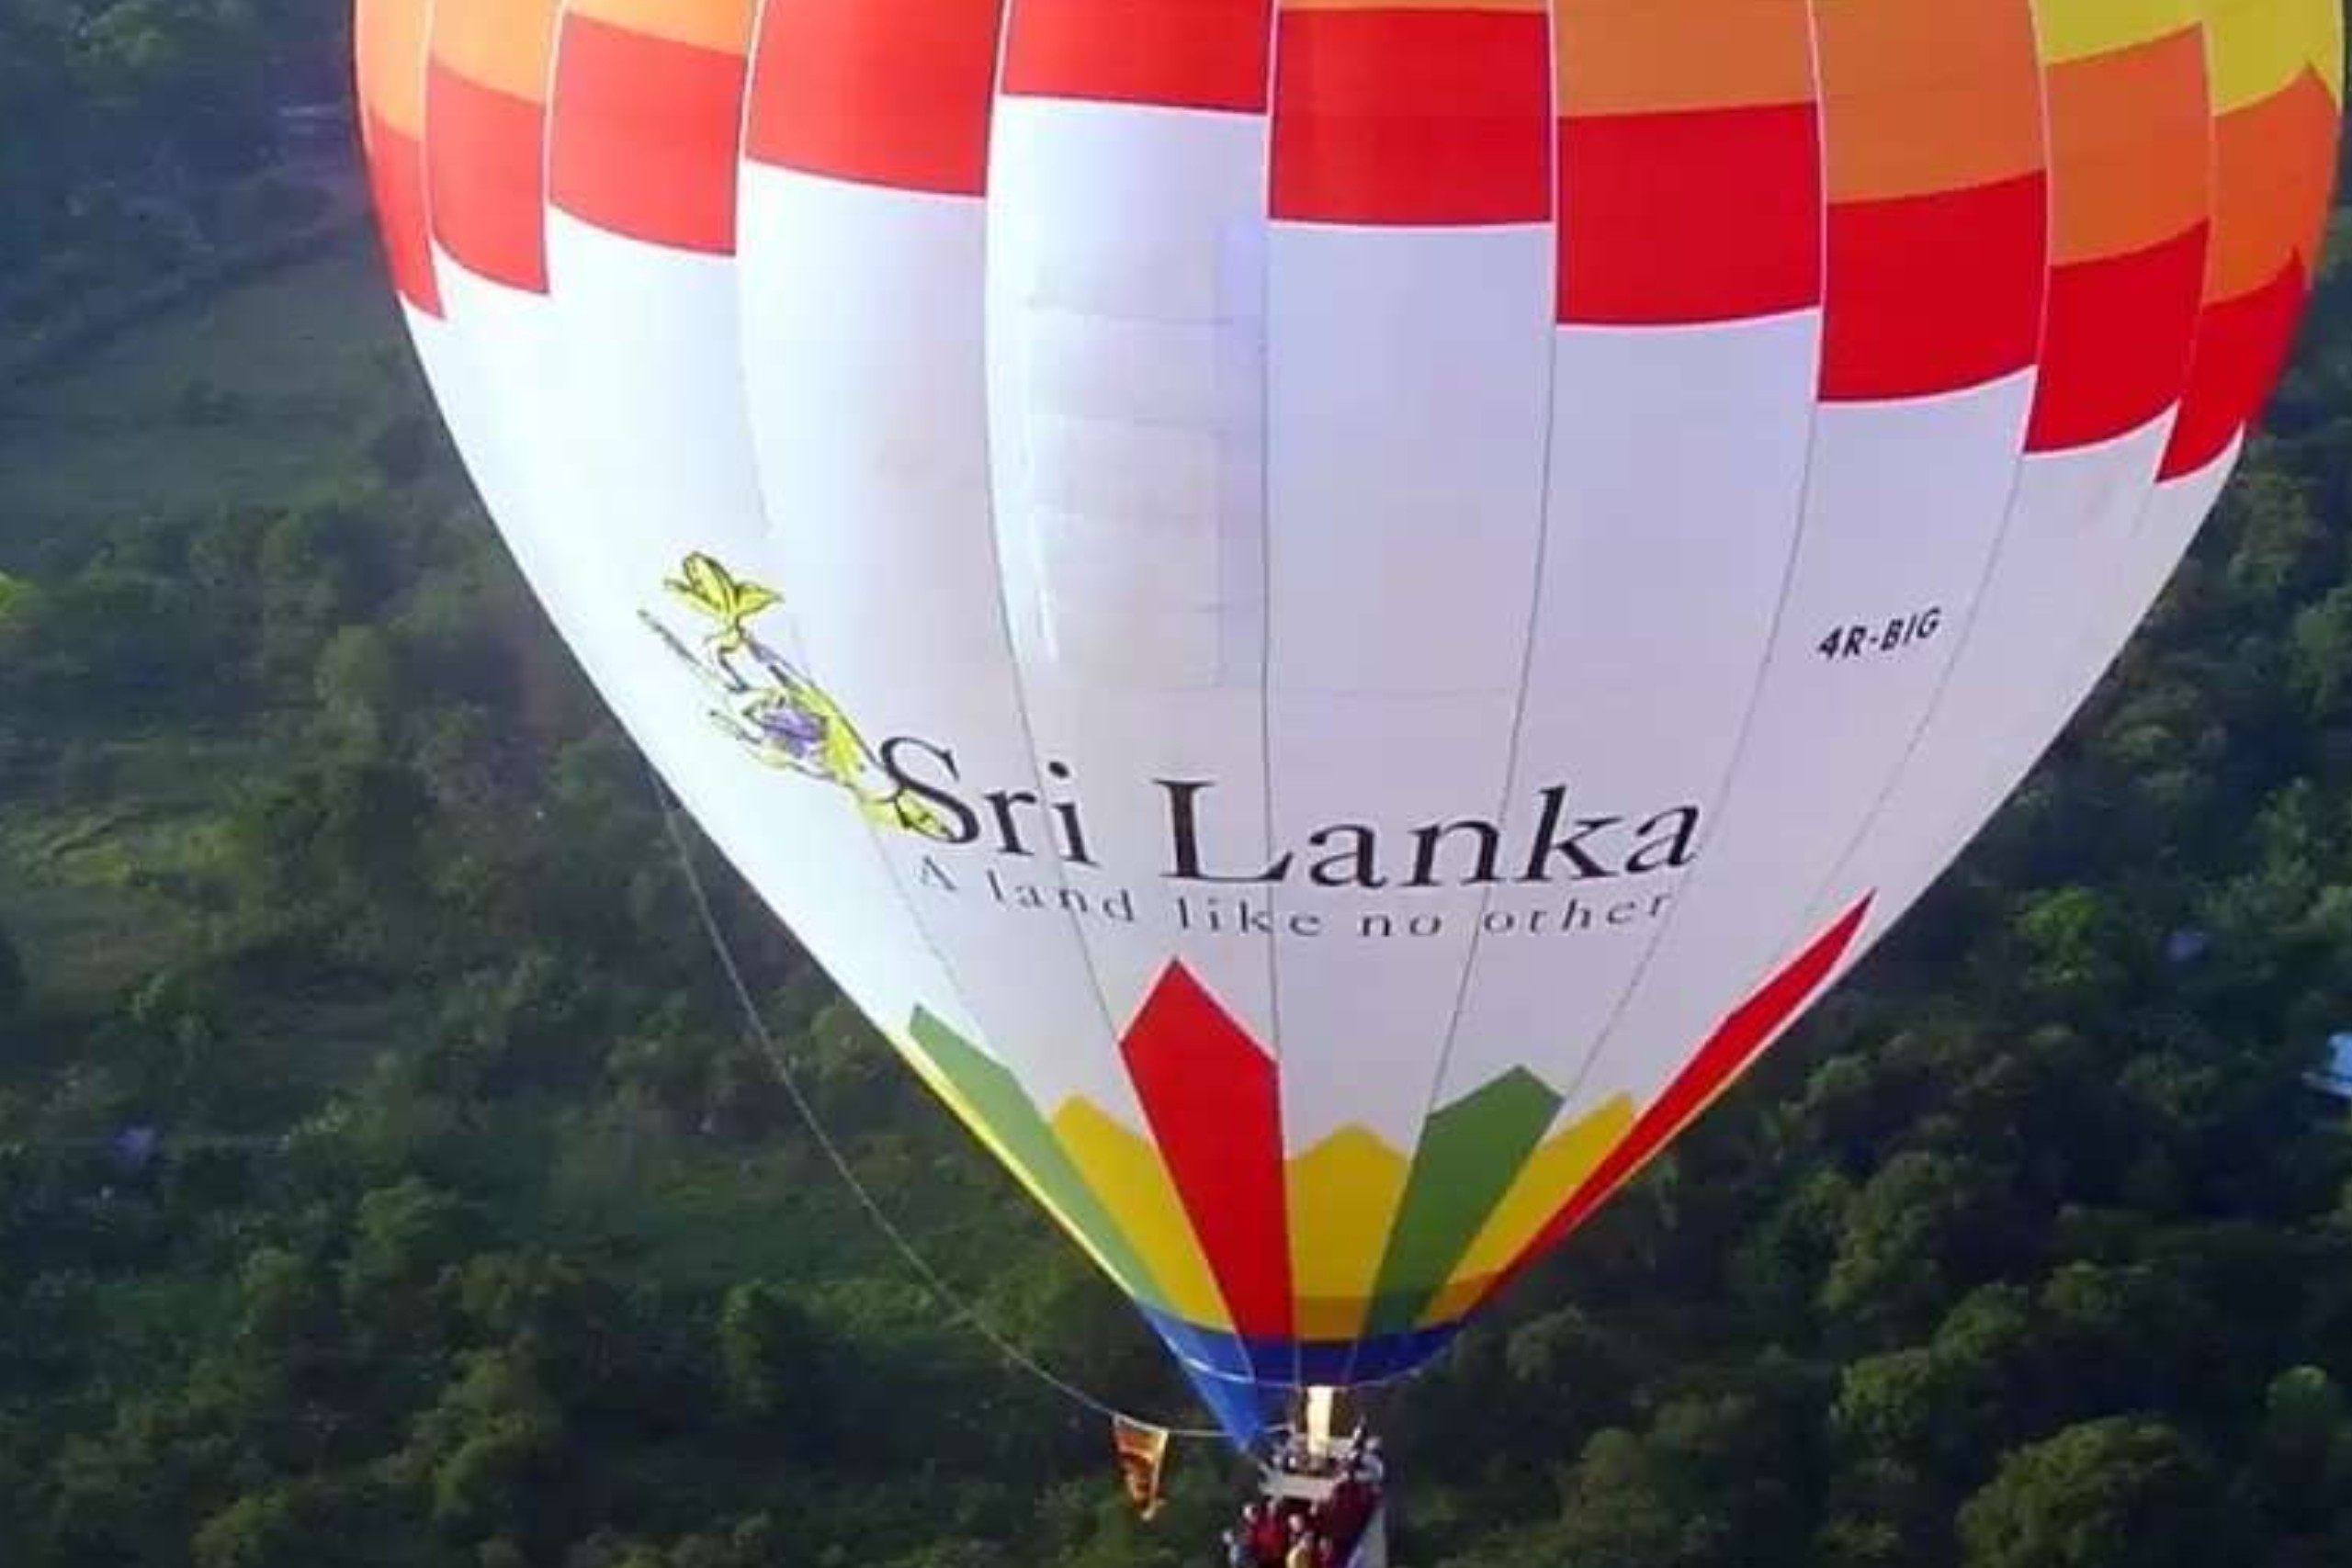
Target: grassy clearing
column 249, row 398
column 706, row 1215
column 95, row 891
column 70, row 934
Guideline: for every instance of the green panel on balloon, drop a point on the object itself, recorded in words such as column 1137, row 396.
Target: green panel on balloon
column 1469, row 1153
column 997, row 1100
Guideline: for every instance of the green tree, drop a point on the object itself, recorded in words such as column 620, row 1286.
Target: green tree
column 336, row 852
column 478, row 1454
column 359, row 687
column 14, row 986
column 282, row 1306
column 1936, row 1409
column 2321, row 654
column 2123, row 1491
column 313, row 572
column 2072, row 946
column 1622, row 1509
column 1898, row 1402
column 2279, row 546
column 280, row 1526
column 1905, row 1232
column 2301, row 1463
column 405, row 1238
column 773, row 1355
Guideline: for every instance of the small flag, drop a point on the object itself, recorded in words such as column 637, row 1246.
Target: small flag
column 1143, row 1454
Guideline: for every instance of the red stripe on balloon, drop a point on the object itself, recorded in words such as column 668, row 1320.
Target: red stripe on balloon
column 645, row 136
column 2115, row 352
column 2241, row 346
column 1734, row 1045
column 1211, row 1095
column 1931, row 294
column 1198, row 54
column 893, row 92
column 1706, row 215
column 396, row 180
column 485, row 160
column 1400, row 117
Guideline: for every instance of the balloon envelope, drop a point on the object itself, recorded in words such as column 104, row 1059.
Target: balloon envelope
column 1331, row 616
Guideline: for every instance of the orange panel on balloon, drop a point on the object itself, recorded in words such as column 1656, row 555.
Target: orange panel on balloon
column 1620, row 57
column 2273, row 162
column 2274, row 171
column 1927, row 95
column 893, row 92
column 1427, row 115
column 504, row 45
column 2131, row 155
column 388, row 46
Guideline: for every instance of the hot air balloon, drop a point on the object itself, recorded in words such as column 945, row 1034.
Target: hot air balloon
column 1331, row 614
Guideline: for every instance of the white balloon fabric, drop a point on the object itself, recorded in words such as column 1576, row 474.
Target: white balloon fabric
column 1330, row 613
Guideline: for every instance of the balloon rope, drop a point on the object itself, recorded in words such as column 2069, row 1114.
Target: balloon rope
column 781, row 1065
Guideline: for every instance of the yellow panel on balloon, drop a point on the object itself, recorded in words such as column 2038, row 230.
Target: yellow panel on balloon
column 1344, row 1195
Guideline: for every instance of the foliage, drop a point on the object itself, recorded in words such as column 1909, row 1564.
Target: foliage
column 12, row 976
column 2119, row 1491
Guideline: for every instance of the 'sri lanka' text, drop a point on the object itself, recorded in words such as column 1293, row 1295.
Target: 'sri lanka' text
column 1564, row 845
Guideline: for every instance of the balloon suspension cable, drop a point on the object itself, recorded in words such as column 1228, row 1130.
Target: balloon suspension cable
column 957, row 1306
